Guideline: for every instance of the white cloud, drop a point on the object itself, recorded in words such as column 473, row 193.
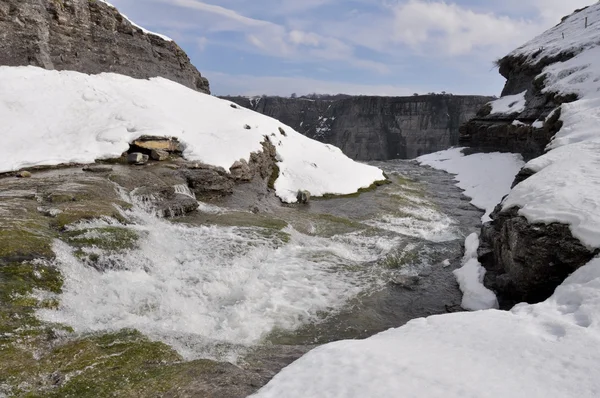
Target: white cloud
column 454, row 30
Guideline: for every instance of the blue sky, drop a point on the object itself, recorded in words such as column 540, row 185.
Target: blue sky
column 378, row 47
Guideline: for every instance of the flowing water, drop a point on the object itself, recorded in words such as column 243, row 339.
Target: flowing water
column 224, row 282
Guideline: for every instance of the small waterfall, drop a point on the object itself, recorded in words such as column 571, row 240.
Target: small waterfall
column 183, row 189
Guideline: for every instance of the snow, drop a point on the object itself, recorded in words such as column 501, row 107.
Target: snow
column 470, row 279
column 566, row 186
column 534, row 351
column 485, row 177
column 148, row 32
column 56, row 117
column 509, row 104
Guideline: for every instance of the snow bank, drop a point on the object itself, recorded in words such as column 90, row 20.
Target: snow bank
column 470, row 279
column 51, row 117
column 566, row 187
column 509, row 104
column 534, row 351
column 485, row 177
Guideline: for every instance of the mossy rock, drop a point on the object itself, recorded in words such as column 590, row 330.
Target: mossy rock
column 370, row 188
column 105, row 238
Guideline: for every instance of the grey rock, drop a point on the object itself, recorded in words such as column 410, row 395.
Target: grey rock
column 97, row 169
column 209, row 181
column 137, row 158
column 373, row 128
column 303, row 197
column 159, row 155
column 406, row 281
column 177, row 206
column 88, row 36
column 240, row 170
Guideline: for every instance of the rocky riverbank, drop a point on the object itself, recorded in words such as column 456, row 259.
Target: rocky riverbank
column 64, row 226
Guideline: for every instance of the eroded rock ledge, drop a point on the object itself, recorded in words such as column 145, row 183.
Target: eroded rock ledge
column 525, row 262
column 88, row 36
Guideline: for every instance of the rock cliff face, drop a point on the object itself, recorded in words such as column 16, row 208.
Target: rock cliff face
column 374, row 128
column 88, row 36
column 516, row 132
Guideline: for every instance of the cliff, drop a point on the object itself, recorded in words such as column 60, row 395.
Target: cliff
column 374, row 128
column 547, row 227
column 89, row 36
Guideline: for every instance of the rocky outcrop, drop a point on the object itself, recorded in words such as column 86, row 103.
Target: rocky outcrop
column 88, row 36
column 374, row 128
column 526, row 262
column 516, row 132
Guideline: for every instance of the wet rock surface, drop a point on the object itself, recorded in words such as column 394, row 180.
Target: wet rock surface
column 88, row 36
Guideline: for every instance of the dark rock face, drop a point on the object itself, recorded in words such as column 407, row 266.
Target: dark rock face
column 88, row 36
column 496, row 132
column 374, row 128
column 526, row 262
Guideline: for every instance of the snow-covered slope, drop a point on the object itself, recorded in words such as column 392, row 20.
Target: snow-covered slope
column 485, row 177
column 51, row 117
column 566, row 186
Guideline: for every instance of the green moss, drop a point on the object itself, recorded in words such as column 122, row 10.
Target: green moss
column 274, row 176
column 87, row 211
column 399, row 260
column 17, row 306
column 26, row 240
column 106, row 238
column 124, row 364
column 370, row 188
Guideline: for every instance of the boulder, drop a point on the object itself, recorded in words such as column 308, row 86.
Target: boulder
column 240, row 170
column 303, row 197
column 209, row 181
column 137, row 158
column 159, row 155
column 24, row 174
column 150, row 143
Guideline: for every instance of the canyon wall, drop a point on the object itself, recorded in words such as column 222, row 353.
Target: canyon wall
column 374, row 128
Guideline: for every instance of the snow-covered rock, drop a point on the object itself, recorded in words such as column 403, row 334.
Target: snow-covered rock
column 51, row 117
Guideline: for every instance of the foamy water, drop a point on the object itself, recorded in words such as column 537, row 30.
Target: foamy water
column 213, row 291
column 198, row 287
